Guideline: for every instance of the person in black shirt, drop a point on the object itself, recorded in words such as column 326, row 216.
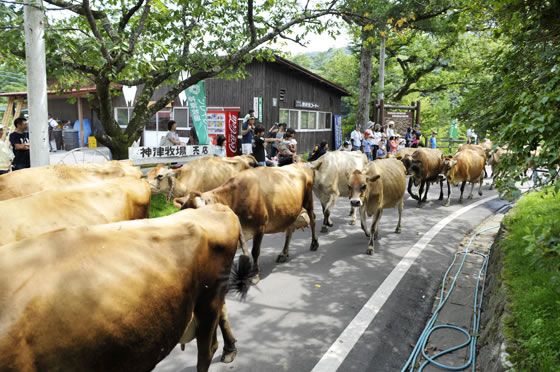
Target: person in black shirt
column 20, row 144
column 258, row 145
column 319, row 151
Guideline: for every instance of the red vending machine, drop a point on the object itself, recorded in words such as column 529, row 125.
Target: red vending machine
column 224, row 120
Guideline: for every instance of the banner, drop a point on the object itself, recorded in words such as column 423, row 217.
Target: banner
column 453, row 130
column 232, row 128
column 337, row 131
column 196, row 98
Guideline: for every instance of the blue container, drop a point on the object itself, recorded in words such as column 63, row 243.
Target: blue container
column 87, row 130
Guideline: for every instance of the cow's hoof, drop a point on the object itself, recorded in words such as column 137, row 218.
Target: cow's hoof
column 470, row 196
column 398, row 230
column 369, row 251
column 460, row 201
column 282, row 258
column 324, row 229
column 228, row 356
column 182, row 347
column 352, row 223
column 447, row 203
column 419, row 205
column 440, row 198
column 314, row 245
column 255, row 279
column 329, row 223
column 480, row 193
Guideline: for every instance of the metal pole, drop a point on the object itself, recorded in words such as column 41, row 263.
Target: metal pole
column 36, row 82
column 382, row 69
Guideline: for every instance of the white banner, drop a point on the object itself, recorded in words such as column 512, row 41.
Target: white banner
column 162, row 152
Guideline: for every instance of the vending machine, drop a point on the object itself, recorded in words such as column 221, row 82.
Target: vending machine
column 224, row 120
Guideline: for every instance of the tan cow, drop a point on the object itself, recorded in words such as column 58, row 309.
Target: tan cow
column 425, row 168
column 382, row 185
column 83, row 205
column 465, row 166
column 117, row 297
column 267, row 201
column 332, row 171
column 494, row 162
column 202, row 175
column 27, row 181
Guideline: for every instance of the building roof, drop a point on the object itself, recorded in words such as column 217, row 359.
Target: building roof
column 311, row 75
column 65, row 93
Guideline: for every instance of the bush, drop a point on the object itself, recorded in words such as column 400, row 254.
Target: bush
column 159, row 207
column 532, row 274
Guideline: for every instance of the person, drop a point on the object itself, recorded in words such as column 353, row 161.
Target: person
column 400, row 142
column 319, row 151
column 356, row 138
column 433, row 142
column 474, row 137
column 6, row 154
column 287, row 150
column 172, row 137
column 368, row 144
column 393, row 145
column 249, row 115
column 415, row 140
column 346, row 146
column 381, row 153
column 20, row 145
column 469, row 135
column 390, row 129
column 52, row 124
column 247, row 134
column 220, row 149
column 408, row 137
column 279, row 134
column 258, row 145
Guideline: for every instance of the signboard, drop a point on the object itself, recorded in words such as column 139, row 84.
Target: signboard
column 258, row 107
column 307, row 105
column 337, row 131
column 453, row 130
column 162, row 154
column 216, row 122
column 232, row 129
column 196, row 98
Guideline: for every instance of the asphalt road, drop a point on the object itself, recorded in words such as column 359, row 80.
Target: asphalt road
column 299, row 309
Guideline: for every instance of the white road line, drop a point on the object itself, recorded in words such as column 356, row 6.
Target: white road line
column 339, row 350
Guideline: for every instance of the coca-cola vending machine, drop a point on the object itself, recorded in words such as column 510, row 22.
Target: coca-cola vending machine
column 224, row 120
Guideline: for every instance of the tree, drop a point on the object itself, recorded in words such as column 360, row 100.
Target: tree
column 148, row 43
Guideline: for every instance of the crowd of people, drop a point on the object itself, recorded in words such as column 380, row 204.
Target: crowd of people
column 378, row 141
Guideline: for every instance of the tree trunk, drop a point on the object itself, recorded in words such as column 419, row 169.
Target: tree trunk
column 364, row 98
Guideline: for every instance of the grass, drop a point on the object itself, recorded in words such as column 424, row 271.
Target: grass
column 532, row 274
column 159, row 207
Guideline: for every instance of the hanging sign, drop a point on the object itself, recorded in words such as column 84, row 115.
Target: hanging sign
column 129, row 94
column 337, row 131
column 196, row 98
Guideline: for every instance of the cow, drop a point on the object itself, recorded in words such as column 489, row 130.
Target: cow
column 267, row 201
column 494, row 162
column 83, row 205
column 30, row 180
column 202, row 175
column 405, row 155
column 380, row 186
column 481, row 150
column 465, row 166
column 117, row 297
column 332, row 171
column 425, row 168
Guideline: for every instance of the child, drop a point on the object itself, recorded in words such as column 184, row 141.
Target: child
column 393, row 145
column 368, row 144
column 258, row 145
column 220, row 149
column 381, row 153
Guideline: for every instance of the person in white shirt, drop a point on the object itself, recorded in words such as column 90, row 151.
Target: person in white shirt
column 356, row 137
column 6, row 153
column 390, row 129
column 52, row 124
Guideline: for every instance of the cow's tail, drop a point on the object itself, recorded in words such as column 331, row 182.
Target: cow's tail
column 241, row 274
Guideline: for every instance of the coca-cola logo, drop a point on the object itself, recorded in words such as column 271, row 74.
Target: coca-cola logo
column 232, row 126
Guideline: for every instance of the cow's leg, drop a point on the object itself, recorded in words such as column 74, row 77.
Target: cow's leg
column 285, row 252
column 363, row 220
column 255, row 252
column 410, row 192
column 462, row 189
column 471, row 193
column 448, row 194
column 426, row 192
column 480, row 186
column 230, row 351
column 374, row 232
column 207, row 315
column 422, row 185
column 440, row 189
column 327, row 213
column 353, row 212
column 400, row 209
column 308, row 206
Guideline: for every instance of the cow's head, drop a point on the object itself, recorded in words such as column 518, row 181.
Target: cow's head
column 448, row 163
column 192, row 200
column 406, row 159
column 159, row 178
column 357, row 186
column 416, row 169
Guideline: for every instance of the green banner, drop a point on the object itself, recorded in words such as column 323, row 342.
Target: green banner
column 453, row 130
column 196, row 98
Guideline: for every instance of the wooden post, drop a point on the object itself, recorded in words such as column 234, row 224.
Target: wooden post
column 8, row 114
column 19, row 106
column 81, row 119
column 417, row 112
column 381, row 112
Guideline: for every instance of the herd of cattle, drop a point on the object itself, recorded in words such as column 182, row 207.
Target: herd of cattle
column 88, row 282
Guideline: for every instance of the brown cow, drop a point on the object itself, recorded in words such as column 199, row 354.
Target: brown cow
column 82, row 205
column 405, row 155
column 30, row 180
column 202, row 175
column 481, row 150
column 116, row 297
column 267, row 201
column 425, row 168
column 494, row 162
column 465, row 166
column 380, row 186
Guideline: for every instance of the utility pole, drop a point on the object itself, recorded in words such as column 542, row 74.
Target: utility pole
column 34, row 24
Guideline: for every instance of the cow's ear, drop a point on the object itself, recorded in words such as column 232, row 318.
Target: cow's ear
column 357, row 172
column 452, row 162
column 315, row 165
column 373, row 178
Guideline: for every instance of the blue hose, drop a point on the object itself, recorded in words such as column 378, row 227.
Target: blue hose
column 470, row 340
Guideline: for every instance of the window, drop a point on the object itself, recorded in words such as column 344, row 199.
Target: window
column 308, row 120
column 123, row 116
column 294, row 116
column 284, row 116
column 181, row 116
column 324, row 120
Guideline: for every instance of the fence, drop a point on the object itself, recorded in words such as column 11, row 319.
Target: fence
column 452, row 145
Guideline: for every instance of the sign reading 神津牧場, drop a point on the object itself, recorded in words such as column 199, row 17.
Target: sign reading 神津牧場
column 147, row 153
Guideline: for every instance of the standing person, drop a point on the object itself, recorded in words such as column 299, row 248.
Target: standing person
column 356, row 138
column 20, row 144
column 258, row 145
column 433, row 142
column 400, row 142
column 6, row 154
column 469, row 135
column 381, row 153
column 393, row 145
column 172, row 137
column 368, row 144
column 415, row 141
column 52, row 124
column 287, row 150
column 390, row 129
column 220, row 149
column 319, row 151
column 279, row 135
column 408, row 137
column 249, row 115
column 247, row 134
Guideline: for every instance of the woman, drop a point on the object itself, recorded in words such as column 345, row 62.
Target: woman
column 172, row 137
column 287, row 150
column 415, row 140
column 220, row 149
